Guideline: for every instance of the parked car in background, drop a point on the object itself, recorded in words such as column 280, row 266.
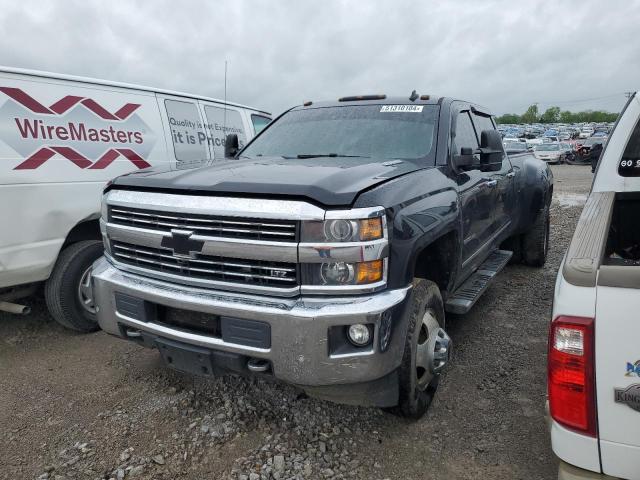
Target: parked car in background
column 514, row 139
column 586, row 132
column 515, row 147
column 564, row 136
column 594, row 352
column 549, row 152
column 567, row 152
column 61, row 139
column 585, row 147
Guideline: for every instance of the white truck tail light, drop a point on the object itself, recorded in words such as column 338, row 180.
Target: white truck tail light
column 571, row 378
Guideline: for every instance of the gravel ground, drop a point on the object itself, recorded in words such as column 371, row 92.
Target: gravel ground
column 95, row 407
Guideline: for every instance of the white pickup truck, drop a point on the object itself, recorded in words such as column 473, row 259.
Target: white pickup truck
column 594, row 339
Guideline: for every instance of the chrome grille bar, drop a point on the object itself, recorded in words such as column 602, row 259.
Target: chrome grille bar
column 116, row 211
column 273, row 274
column 210, row 226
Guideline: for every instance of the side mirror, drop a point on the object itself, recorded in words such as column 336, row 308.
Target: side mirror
column 491, row 150
column 466, row 160
column 231, row 146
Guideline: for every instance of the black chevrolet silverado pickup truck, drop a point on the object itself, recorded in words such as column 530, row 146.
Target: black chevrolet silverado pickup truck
column 326, row 252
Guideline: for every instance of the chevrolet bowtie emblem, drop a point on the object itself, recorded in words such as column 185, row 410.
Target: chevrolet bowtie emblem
column 182, row 244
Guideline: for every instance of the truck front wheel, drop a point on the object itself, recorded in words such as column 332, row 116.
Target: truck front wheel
column 68, row 290
column 426, row 352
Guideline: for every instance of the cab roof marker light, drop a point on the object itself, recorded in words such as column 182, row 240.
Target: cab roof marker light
column 425, row 97
column 357, row 98
column 307, row 103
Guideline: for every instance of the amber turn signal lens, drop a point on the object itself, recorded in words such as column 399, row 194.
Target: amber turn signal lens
column 371, row 229
column 369, row 272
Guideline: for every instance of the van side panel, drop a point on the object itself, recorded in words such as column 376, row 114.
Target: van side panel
column 221, row 121
column 60, row 142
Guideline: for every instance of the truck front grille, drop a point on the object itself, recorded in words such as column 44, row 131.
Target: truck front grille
column 207, row 267
column 219, row 227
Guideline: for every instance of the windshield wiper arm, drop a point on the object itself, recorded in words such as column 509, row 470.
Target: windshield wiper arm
column 315, row 155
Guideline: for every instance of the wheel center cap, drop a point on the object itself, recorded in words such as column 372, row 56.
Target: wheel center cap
column 440, row 351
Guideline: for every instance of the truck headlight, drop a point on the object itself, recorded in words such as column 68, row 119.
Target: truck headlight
column 343, row 273
column 345, row 253
column 343, row 230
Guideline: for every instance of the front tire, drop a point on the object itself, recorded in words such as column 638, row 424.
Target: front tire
column 426, row 352
column 535, row 242
column 68, row 290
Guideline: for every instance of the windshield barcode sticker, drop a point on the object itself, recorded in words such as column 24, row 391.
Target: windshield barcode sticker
column 401, row 108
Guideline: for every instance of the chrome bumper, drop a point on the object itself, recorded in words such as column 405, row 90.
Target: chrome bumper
column 299, row 352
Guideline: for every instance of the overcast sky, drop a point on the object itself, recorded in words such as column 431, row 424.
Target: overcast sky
column 574, row 54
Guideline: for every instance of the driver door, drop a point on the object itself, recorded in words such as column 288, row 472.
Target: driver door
column 475, row 195
column 501, row 183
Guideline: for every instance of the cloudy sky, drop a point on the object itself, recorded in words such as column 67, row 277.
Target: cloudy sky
column 575, row 54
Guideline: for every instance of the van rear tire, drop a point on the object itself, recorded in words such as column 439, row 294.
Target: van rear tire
column 68, row 289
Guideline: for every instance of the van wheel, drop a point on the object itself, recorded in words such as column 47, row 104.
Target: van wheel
column 426, row 352
column 535, row 242
column 68, row 291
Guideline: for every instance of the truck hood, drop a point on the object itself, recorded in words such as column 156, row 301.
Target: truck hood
column 329, row 181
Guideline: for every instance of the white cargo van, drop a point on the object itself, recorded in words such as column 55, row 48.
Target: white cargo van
column 594, row 339
column 61, row 139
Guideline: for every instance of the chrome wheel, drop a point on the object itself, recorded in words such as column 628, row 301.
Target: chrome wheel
column 85, row 292
column 432, row 350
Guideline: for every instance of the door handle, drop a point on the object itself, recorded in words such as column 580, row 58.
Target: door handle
column 492, row 183
column 511, row 174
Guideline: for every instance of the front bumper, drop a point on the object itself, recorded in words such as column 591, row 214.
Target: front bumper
column 299, row 349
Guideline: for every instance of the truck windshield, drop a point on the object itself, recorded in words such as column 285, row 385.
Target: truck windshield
column 380, row 131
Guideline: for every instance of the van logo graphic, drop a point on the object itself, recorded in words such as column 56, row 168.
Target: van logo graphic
column 633, row 369
column 78, row 129
column 630, row 396
column 181, row 243
column 66, row 103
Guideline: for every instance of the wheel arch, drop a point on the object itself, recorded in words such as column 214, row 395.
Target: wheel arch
column 88, row 229
column 436, row 260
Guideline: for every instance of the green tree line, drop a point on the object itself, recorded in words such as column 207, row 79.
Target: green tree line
column 555, row 115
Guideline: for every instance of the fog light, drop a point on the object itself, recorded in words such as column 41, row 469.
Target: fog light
column 359, row 334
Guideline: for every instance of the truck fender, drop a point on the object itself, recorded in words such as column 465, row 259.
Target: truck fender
column 536, row 190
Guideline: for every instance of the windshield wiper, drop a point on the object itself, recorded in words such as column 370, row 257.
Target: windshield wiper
column 316, row 155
